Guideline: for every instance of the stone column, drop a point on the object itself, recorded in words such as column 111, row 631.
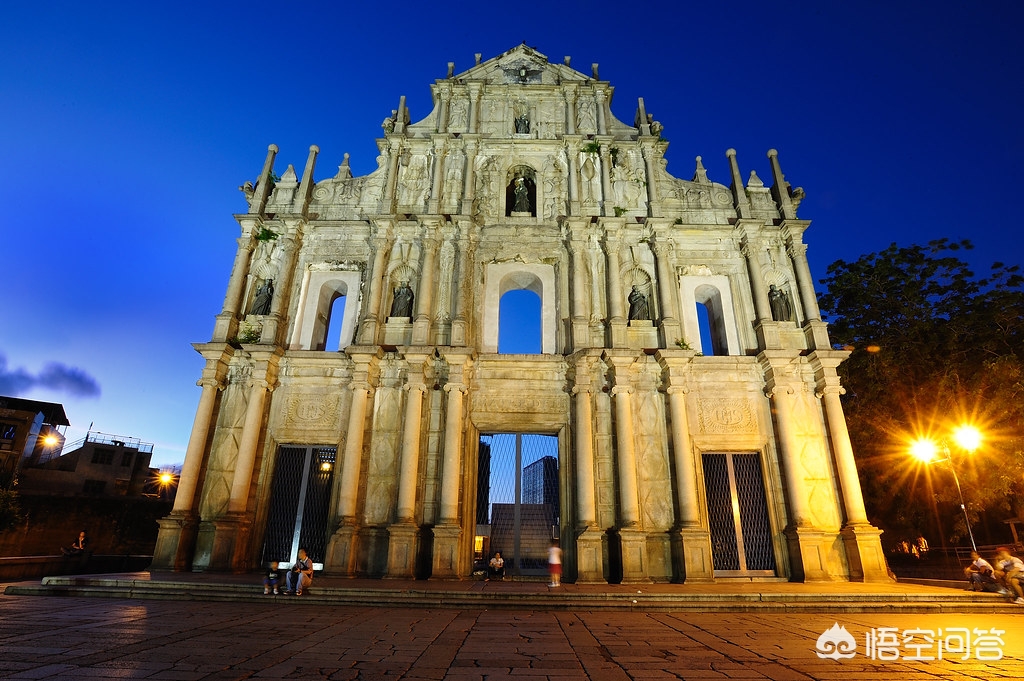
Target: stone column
column 438, row 177
column 394, row 151
column 606, row 181
column 809, row 302
column 580, row 292
column 368, row 330
column 236, row 287
column 569, row 93
column 629, row 501
column 618, row 321
column 589, row 539
column 474, row 106
column 633, row 540
column 469, row 191
column 668, row 292
column 341, row 548
column 571, row 153
column 402, row 534
column 752, row 249
column 445, row 95
column 651, row 156
column 846, row 466
column 177, row 535
column 463, row 313
column 425, row 295
column 694, row 541
column 247, row 448
column 601, row 98
column 290, row 242
column 448, row 532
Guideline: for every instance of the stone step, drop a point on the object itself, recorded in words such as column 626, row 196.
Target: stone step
column 531, row 596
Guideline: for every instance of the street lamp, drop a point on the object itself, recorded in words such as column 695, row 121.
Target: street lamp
column 967, row 438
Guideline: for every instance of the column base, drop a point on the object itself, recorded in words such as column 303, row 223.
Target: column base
column 619, row 332
column 421, row 330
column 809, row 551
column 634, row 556
column 402, row 551
column 691, row 552
column 590, row 550
column 222, row 545
column 864, row 554
column 341, row 552
column 446, row 552
column 175, row 542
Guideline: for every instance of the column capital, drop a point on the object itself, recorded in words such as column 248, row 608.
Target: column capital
column 623, row 390
column 421, row 387
column 460, row 387
column 828, row 389
column 583, row 390
column 777, row 390
column 210, row 383
column 677, row 389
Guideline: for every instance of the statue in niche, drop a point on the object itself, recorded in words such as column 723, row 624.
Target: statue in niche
column 264, row 296
column 638, row 308
column 782, row 310
column 401, row 306
column 522, row 196
column 522, row 124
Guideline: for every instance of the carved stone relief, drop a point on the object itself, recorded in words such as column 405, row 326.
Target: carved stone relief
column 726, row 415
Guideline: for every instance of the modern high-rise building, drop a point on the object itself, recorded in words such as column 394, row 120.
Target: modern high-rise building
column 684, row 367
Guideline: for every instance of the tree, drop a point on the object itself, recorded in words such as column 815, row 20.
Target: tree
column 932, row 345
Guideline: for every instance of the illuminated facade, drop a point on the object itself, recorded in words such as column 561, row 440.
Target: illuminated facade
column 684, row 367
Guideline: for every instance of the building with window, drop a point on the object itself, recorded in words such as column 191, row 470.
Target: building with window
column 684, row 368
column 98, row 465
column 31, row 432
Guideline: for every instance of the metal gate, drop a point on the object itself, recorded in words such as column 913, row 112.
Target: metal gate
column 741, row 533
column 302, row 474
column 517, row 501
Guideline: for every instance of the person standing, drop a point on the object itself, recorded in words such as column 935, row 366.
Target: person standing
column 555, row 563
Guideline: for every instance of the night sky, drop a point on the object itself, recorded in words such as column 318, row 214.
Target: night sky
column 127, row 128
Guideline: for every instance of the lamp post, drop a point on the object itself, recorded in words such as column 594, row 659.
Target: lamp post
column 969, row 439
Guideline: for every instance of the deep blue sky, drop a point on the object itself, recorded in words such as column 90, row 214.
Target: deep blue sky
column 126, row 128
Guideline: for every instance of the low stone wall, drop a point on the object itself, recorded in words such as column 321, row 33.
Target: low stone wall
column 15, row 568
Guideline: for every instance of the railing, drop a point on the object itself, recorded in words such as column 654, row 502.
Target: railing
column 108, row 439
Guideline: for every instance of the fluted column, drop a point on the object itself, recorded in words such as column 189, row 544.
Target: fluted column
column 686, row 469
column 474, row 106
column 353, row 457
column 798, row 254
column 194, row 454
column 846, row 465
column 667, row 288
column 469, row 191
column 409, row 475
column 569, row 93
column 246, row 459
column 629, row 500
column 452, row 464
column 782, row 397
column 438, row 176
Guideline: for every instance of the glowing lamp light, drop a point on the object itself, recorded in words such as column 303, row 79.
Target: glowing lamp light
column 51, row 440
column 166, row 478
column 325, row 466
column 967, row 437
column 924, row 450
column 873, row 348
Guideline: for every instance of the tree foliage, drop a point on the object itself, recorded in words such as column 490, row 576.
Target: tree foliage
column 933, row 346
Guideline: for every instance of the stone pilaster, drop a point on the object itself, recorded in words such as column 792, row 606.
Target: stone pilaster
column 589, row 538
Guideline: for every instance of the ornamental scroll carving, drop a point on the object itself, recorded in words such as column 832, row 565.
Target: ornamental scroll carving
column 726, row 416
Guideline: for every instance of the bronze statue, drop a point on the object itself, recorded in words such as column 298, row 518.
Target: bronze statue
column 264, row 296
column 522, row 196
column 401, row 306
column 778, row 300
column 638, row 307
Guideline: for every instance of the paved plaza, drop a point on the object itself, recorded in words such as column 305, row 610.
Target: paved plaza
column 109, row 638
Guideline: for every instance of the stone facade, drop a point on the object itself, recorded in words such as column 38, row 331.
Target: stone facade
column 521, row 178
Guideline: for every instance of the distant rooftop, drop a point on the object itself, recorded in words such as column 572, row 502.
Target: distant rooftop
column 108, row 439
column 53, row 413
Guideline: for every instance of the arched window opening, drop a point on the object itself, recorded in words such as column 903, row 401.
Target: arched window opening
column 707, row 342
column 711, row 320
column 519, row 323
column 521, row 192
column 333, row 323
